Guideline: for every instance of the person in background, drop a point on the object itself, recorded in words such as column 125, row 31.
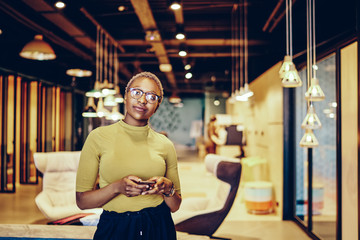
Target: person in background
column 211, row 131
column 137, row 167
column 217, row 135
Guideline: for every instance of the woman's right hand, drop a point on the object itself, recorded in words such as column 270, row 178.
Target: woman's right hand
column 129, row 187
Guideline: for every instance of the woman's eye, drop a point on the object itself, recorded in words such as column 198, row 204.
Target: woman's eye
column 137, row 92
column 152, row 97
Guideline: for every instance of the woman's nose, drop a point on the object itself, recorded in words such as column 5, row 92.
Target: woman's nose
column 142, row 99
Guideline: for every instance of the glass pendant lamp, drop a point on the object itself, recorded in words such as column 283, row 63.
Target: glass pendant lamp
column 232, row 98
column 239, row 95
column 174, row 98
column 101, row 110
column 115, row 115
column 109, row 101
column 118, row 96
column 288, row 74
column 314, row 93
column 309, row 140
column 96, row 92
column 285, row 66
column 90, row 109
column 247, row 92
column 311, row 120
column 107, row 88
column 291, row 77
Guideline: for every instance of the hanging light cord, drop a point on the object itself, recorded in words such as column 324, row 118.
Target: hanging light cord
column 238, row 48
column 241, row 45
column 314, row 41
column 111, row 60
column 97, row 53
column 106, row 63
column 101, row 56
column 309, row 46
column 309, row 43
column 116, row 77
column 290, row 29
column 287, row 26
column 233, row 49
column 246, row 42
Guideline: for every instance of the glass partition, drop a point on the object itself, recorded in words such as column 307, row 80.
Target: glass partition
column 324, row 203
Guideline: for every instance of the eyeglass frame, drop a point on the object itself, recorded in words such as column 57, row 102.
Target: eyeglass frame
column 146, row 94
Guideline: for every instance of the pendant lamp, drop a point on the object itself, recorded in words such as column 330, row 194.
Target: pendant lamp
column 285, row 66
column 109, row 101
column 38, row 49
column 118, row 96
column 234, row 52
column 288, row 74
column 246, row 92
column 174, row 98
column 115, row 115
column 96, row 92
column 90, row 109
column 311, row 120
column 309, row 140
column 232, row 98
column 291, row 77
column 101, row 110
column 239, row 95
column 107, row 87
column 314, row 93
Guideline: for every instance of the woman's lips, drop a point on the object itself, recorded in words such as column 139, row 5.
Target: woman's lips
column 139, row 109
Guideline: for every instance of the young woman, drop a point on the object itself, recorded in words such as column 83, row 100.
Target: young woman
column 124, row 155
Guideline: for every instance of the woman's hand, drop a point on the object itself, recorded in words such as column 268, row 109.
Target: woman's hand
column 129, row 187
column 162, row 185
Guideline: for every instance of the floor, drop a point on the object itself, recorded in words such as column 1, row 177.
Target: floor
column 20, row 208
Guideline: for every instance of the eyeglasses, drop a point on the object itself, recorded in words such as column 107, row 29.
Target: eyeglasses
column 149, row 96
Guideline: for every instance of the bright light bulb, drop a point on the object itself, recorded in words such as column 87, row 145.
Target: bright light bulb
column 182, row 53
column 188, row 75
column 180, row 36
column 60, row 4
column 97, row 94
column 175, row 6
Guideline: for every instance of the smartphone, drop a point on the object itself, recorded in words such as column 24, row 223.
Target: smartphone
column 147, row 182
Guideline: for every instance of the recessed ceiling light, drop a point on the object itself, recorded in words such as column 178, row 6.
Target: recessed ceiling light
column 187, row 67
column 188, row 75
column 182, row 53
column 175, row 5
column 60, row 4
column 165, row 67
column 180, row 36
column 121, row 8
column 1, row 31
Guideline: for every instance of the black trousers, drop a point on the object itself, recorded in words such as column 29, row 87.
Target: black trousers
column 147, row 224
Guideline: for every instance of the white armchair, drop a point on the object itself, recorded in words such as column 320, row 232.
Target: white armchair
column 57, row 199
column 203, row 216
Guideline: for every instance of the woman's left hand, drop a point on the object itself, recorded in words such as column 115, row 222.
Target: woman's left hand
column 162, row 185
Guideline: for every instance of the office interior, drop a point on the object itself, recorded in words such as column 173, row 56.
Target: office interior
column 302, row 169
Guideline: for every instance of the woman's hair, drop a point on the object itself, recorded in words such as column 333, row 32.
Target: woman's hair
column 148, row 75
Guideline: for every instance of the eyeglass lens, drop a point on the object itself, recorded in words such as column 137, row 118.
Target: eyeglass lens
column 138, row 93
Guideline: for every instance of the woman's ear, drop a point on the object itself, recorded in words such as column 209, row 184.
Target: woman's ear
column 157, row 107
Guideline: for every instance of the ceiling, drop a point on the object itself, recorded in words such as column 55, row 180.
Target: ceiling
column 207, row 25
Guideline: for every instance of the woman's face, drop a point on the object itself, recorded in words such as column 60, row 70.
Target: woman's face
column 138, row 111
